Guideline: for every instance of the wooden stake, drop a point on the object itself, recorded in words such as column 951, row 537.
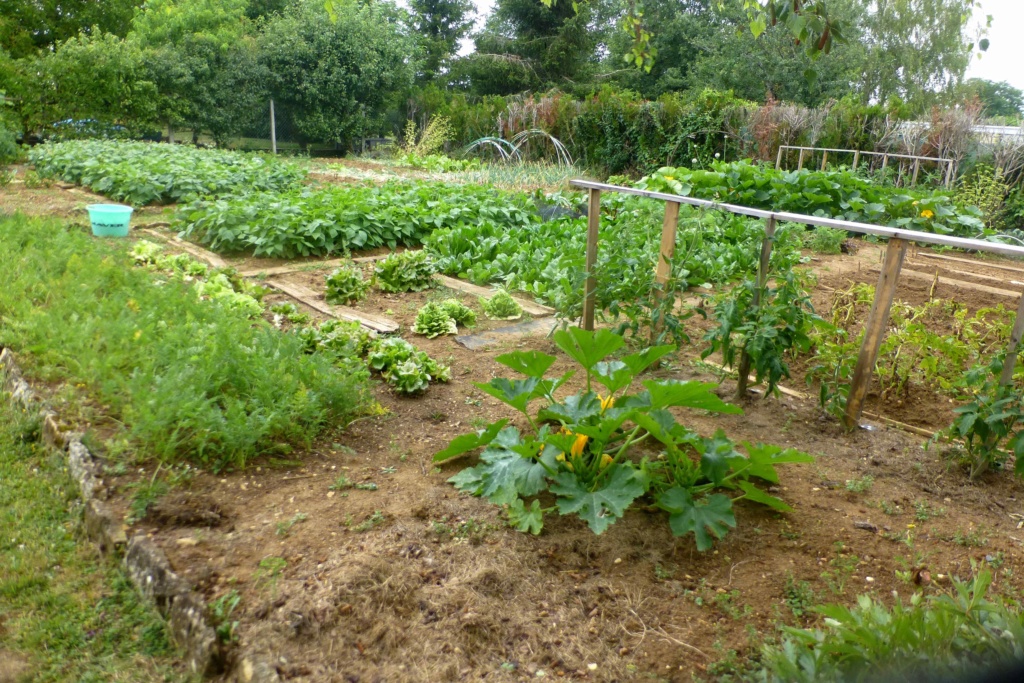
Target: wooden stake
column 668, row 243
column 800, row 162
column 874, row 330
column 590, row 288
column 1011, row 353
column 917, row 169
column 762, row 281
column 273, row 129
column 663, row 271
column 885, row 161
column 856, row 159
column 824, row 159
column 778, row 159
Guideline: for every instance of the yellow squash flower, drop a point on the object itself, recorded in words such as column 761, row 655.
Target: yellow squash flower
column 579, row 445
column 927, row 213
column 606, row 403
column 606, row 460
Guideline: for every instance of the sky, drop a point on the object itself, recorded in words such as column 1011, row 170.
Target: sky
column 1004, row 60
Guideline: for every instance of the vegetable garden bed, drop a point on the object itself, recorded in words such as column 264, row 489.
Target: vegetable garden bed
column 351, row 557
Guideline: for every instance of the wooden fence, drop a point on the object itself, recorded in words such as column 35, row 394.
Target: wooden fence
column 948, row 175
column 878, row 318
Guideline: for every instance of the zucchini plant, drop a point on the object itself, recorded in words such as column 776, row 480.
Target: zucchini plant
column 602, row 449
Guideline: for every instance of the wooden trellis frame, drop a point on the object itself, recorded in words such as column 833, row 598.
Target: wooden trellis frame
column 947, row 175
column 878, row 319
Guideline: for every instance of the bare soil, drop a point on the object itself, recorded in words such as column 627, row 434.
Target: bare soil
column 414, row 581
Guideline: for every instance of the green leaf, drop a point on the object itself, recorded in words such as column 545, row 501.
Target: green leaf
column 525, row 519
column 529, row 363
column 698, row 395
column 576, row 408
column 751, row 492
column 588, row 348
column 515, row 392
column 762, row 458
column 602, row 507
column 468, row 442
column 614, row 375
column 707, row 517
column 505, row 475
column 714, row 461
column 758, row 26
column 638, row 362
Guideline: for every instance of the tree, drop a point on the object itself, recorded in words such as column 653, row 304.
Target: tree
column 97, row 77
column 729, row 58
column 27, row 26
column 204, row 64
column 526, row 43
column 440, row 25
column 997, row 99
column 334, row 81
column 916, row 49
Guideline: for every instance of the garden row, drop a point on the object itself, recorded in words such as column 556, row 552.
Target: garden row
column 141, row 173
column 180, row 355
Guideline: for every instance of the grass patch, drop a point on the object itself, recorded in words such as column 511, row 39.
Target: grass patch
column 68, row 613
column 189, row 379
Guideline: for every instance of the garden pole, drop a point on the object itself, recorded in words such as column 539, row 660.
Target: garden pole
column 874, row 330
column 668, row 248
column 885, row 162
column 917, row 168
column 590, row 289
column 1011, row 353
column 778, row 159
column 856, row 159
column 824, row 159
column 800, row 160
column 273, row 129
column 762, row 282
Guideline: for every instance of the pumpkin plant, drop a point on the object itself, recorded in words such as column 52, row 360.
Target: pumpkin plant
column 602, row 449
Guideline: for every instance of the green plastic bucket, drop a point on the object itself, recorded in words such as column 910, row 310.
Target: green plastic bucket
column 109, row 220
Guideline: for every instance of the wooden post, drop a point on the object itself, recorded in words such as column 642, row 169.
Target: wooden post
column 273, row 129
column 1011, row 353
column 874, row 330
column 917, row 168
column 778, row 159
column 885, row 162
column 590, row 288
column 762, row 282
column 663, row 271
column 800, row 161
column 668, row 243
column 824, row 159
column 856, row 159
column 170, row 132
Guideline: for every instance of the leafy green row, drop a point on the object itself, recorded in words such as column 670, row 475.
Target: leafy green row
column 837, row 194
column 305, row 222
column 549, row 259
column 144, row 173
column 189, row 379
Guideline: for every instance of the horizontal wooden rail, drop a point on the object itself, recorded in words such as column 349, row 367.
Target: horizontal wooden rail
column 877, row 322
column 851, row 226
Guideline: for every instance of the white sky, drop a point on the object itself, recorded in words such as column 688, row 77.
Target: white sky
column 1004, row 60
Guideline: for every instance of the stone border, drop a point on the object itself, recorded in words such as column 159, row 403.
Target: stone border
column 189, row 625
